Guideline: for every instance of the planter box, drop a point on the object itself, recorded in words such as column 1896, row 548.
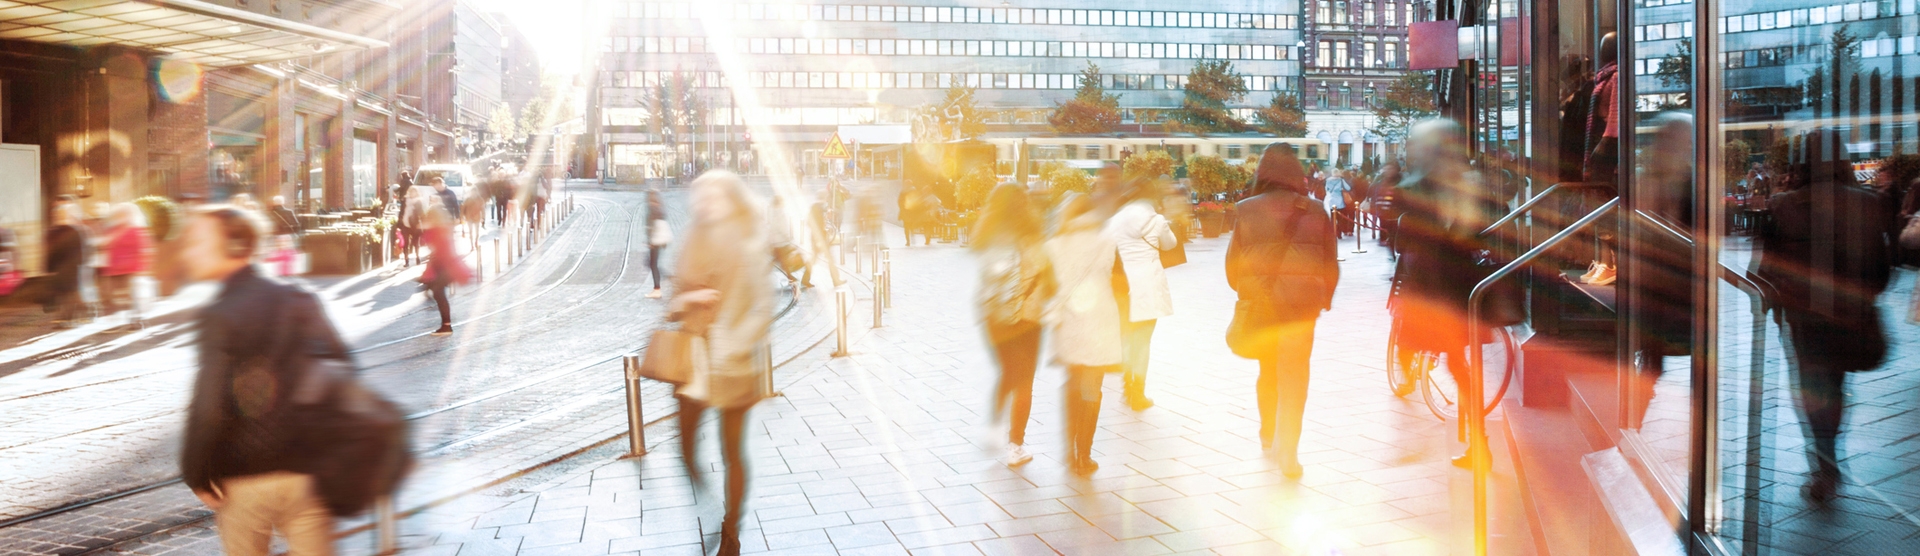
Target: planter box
column 1212, row 224
column 336, row 254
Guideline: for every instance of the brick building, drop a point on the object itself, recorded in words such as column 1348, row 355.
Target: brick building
column 1353, row 50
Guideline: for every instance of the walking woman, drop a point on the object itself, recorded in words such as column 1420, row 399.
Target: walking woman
column 1015, row 283
column 1140, row 282
column 444, row 266
column 129, row 254
column 1439, row 246
column 722, row 294
column 1282, row 263
column 1085, row 320
column 659, row 235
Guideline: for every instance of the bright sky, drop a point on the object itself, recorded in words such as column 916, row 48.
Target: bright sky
column 556, row 28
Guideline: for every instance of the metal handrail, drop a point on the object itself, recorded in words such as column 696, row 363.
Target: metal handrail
column 1524, row 207
column 1476, row 419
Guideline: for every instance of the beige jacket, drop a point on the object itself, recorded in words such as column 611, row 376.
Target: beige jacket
column 1140, row 233
column 730, row 258
column 1084, row 316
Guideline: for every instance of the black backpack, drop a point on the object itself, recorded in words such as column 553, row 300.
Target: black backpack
column 350, row 439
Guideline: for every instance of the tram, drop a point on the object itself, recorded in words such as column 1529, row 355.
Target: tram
column 1091, row 151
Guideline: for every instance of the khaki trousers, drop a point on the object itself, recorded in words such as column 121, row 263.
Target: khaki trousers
column 257, row 505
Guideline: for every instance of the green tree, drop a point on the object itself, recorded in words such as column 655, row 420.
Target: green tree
column 1211, row 86
column 1285, row 116
column 1210, row 176
column 500, row 123
column 1150, row 164
column 1677, row 71
column 1062, row 179
column 553, row 104
column 957, row 117
column 1091, row 110
column 1823, row 87
column 1408, row 100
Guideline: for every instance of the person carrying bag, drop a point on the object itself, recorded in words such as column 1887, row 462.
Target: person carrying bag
column 1282, row 262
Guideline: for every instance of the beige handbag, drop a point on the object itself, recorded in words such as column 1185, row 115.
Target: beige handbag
column 669, row 356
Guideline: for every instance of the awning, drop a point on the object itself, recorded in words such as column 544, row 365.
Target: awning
column 189, row 30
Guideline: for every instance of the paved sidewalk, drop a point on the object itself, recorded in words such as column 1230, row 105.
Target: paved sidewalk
column 888, row 451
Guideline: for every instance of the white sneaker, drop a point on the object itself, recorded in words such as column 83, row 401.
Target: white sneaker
column 1017, row 455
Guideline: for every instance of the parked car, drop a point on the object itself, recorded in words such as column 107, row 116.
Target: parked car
column 459, row 177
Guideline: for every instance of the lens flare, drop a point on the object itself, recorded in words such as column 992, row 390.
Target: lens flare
column 177, row 80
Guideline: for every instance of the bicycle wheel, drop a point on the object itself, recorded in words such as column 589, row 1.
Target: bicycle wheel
column 1441, row 389
column 1403, row 366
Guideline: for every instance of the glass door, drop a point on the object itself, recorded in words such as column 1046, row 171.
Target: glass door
column 1811, row 108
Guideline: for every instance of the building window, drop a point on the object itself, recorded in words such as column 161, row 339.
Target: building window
column 1321, row 12
column 1366, row 56
column 1341, row 12
column 1340, row 58
column 1389, row 12
column 1325, row 59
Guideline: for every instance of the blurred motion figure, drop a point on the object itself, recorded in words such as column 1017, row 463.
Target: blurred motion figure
column 1015, row 283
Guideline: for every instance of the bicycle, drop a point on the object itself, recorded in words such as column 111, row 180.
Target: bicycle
column 1439, row 389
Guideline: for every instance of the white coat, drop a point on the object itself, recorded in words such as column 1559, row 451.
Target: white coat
column 1140, row 234
column 1083, row 314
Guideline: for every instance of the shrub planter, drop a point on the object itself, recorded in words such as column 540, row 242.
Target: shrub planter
column 1212, row 224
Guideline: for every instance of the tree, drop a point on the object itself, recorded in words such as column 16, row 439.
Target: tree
column 1091, row 110
column 973, row 189
column 1285, row 116
column 1677, row 71
column 955, row 118
column 1210, row 176
column 500, row 123
column 1150, row 164
column 1062, row 179
column 1823, row 87
column 1408, row 100
column 1211, row 85
column 554, row 104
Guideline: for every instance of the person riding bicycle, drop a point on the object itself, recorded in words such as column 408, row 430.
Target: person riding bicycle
column 1439, row 248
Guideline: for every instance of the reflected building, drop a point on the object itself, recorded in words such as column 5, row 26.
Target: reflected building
column 1354, row 50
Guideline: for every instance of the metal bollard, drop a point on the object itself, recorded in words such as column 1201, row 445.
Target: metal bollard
column 636, row 425
column 387, row 527
column 496, row 256
column 886, row 271
column 840, row 321
column 1357, row 246
column 879, row 285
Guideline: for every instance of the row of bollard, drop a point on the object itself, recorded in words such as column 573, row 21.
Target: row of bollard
column 387, row 528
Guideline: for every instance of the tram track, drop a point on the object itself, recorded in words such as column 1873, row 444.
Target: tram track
column 495, row 430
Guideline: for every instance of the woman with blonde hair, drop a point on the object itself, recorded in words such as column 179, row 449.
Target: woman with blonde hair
column 1015, row 283
column 724, row 297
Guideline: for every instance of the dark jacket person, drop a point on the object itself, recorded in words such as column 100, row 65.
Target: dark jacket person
column 1281, row 261
column 240, row 456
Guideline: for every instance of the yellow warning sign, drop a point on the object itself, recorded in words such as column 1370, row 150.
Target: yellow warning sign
column 835, row 148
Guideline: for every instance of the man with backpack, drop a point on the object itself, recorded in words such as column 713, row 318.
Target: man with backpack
column 279, row 434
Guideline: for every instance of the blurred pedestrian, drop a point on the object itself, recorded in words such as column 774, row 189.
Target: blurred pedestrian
column 69, row 250
column 241, row 455
column 445, row 267
column 1337, row 193
column 659, row 235
column 1381, row 198
column 786, row 256
column 1828, row 271
column 1439, row 249
column 413, row 203
column 1140, row 233
column 1282, row 263
column 823, row 234
column 129, row 254
column 1085, row 319
column 722, row 295
column 1015, row 284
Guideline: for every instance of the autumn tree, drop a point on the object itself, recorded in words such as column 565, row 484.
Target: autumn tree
column 957, row 117
column 1091, row 110
column 1285, row 116
column 1408, row 100
column 1211, row 86
column 1149, row 164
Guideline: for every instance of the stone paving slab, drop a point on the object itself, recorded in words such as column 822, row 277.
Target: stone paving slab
column 888, row 451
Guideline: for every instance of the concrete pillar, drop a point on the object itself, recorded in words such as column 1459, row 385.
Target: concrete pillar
column 280, row 156
column 114, row 134
column 339, row 155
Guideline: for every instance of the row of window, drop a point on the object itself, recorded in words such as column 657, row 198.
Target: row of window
column 1858, row 11
column 1785, row 55
column 1336, row 54
column 1340, row 12
column 924, row 47
column 932, row 14
column 1663, row 31
column 802, row 115
column 891, row 80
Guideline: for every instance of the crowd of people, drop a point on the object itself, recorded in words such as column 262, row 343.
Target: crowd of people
column 95, row 263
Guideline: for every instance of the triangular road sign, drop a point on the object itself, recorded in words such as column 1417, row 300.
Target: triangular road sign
column 835, row 149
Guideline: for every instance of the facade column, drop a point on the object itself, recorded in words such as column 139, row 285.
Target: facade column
column 339, row 155
column 116, row 137
column 280, row 159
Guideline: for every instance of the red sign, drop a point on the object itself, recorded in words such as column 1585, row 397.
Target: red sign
column 1433, row 45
